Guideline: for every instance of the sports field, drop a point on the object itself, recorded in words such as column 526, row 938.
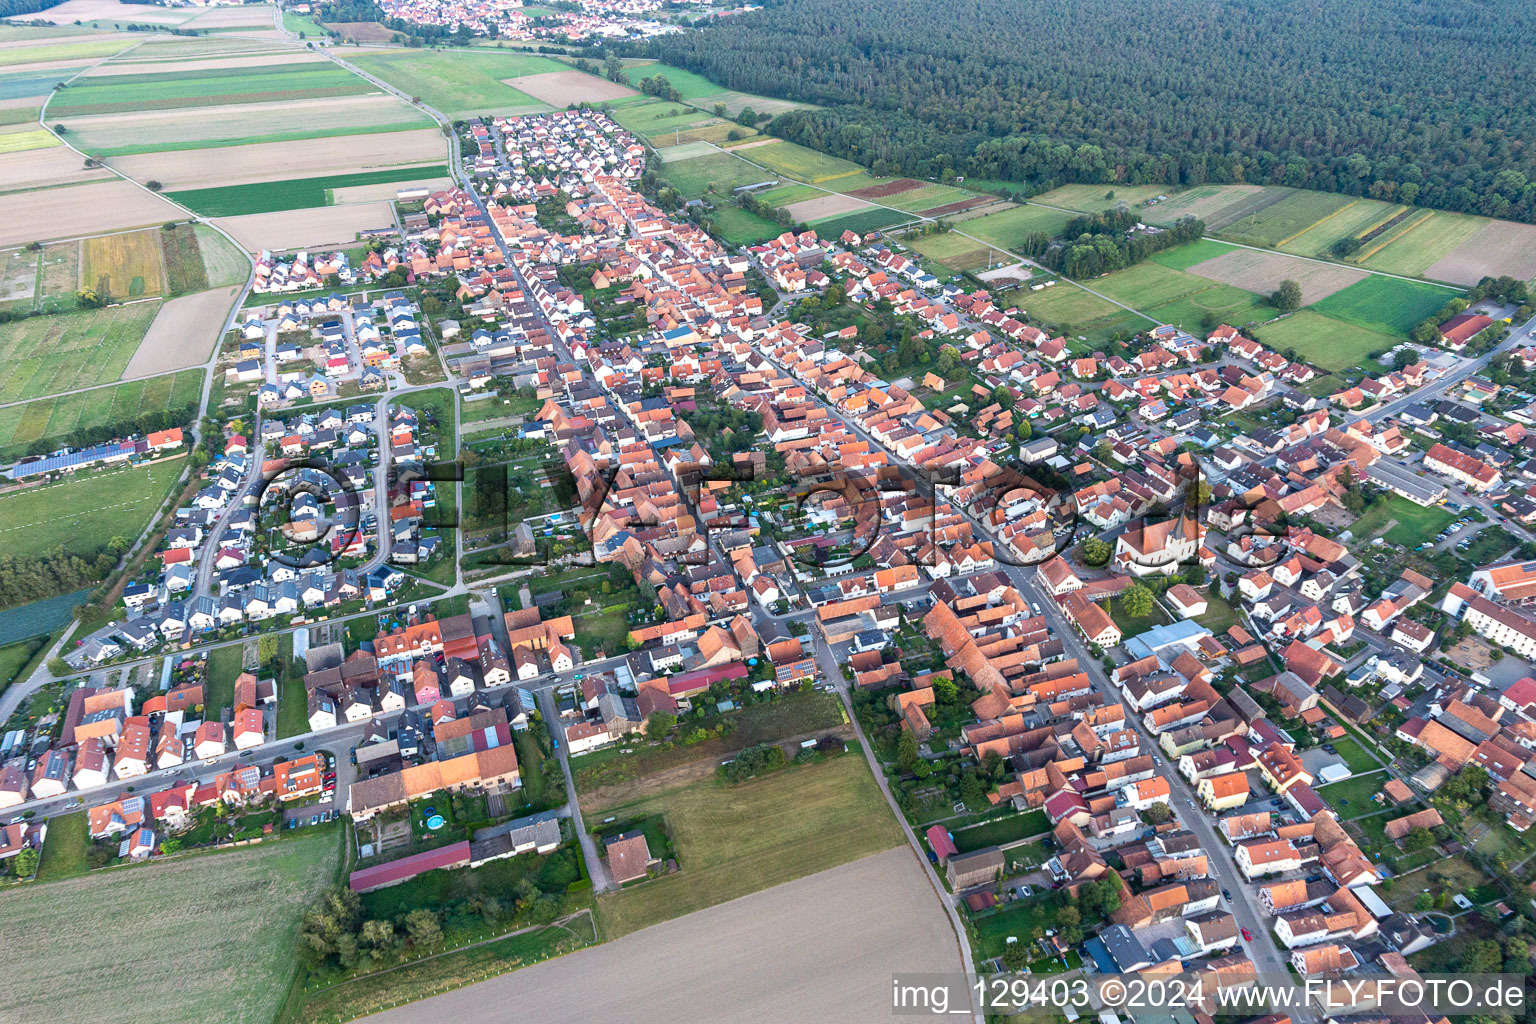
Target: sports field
column 267, row 83
column 1008, row 228
column 1387, row 304
column 460, row 83
column 51, row 420
column 1323, row 341
column 85, row 510
column 49, row 354
column 211, row 937
column 292, row 194
column 127, row 265
column 732, row 840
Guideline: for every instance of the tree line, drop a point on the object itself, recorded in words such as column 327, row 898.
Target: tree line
column 1323, row 94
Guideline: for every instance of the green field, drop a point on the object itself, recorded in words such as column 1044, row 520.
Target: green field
column 119, row 93
column 223, row 262
column 85, row 510
column 1348, row 221
column 1414, row 251
column 45, row 355
column 788, row 195
column 1323, row 341
column 952, row 250
column 1073, row 311
column 292, row 194
column 927, row 197
column 65, row 51
column 1185, row 256
column 53, row 419
column 64, row 849
column 802, row 163
column 734, row 840
column 1414, row 523
column 1174, row 297
column 654, row 118
column 1387, row 304
column 743, row 227
column 1280, row 222
column 694, row 176
column 213, row 936
column 1353, row 797
column 859, row 223
column 688, row 85
column 1008, row 228
column 461, row 83
column 1098, row 198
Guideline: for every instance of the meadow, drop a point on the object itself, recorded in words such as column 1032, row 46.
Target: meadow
column 50, row 420
column 85, row 510
column 1323, row 341
column 1174, row 297
column 656, row 118
column 693, row 177
column 212, row 936
column 1008, row 228
column 112, row 93
column 689, row 86
column 292, row 194
column 743, row 227
column 125, row 265
column 1185, row 256
column 733, row 840
column 955, row 252
column 1279, row 223
column 1098, row 198
column 1387, row 304
column 1073, row 311
column 460, row 83
column 47, row 355
column 802, row 163
column 1415, row 251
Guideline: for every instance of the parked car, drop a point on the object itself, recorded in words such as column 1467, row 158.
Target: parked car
column 1247, row 935
column 1226, row 894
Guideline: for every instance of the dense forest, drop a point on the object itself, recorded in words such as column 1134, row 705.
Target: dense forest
column 1421, row 101
column 12, row 8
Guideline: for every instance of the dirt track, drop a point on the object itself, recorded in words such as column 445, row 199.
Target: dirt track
column 822, row 949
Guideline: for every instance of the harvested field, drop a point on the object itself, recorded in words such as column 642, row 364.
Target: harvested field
column 383, row 192
column 242, row 124
column 960, row 207
column 869, row 916
column 562, row 88
column 1499, row 247
column 268, row 161
column 46, row 168
column 183, row 333
column 228, row 924
column 72, row 11
column 890, row 188
column 1206, row 202
column 79, row 210
column 252, row 15
column 123, row 266
column 1262, row 272
column 364, row 31
column 825, row 206
column 299, row 229
column 171, row 67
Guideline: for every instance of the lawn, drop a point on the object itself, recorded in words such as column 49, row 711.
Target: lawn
column 1219, row 615
column 1353, row 797
column 789, row 715
column 1412, row 523
column 1357, row 757
column 48, row 354
column 1008, row 228
column 1325, row 342
column 1019, row 920
column 600, row 629
column 110, row 94
column 51, row 420
column 1279, row 223
column 1134, row 625
column 1387, row 304
column 1185, row 256
column 224, row 666
column 1002, row 830
column 694, row 176
column 293, row 193
column 85, row 510
column 734, row 840
column 63, row 851
column 194, row 919
column 461, row 83
column 743, row 227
